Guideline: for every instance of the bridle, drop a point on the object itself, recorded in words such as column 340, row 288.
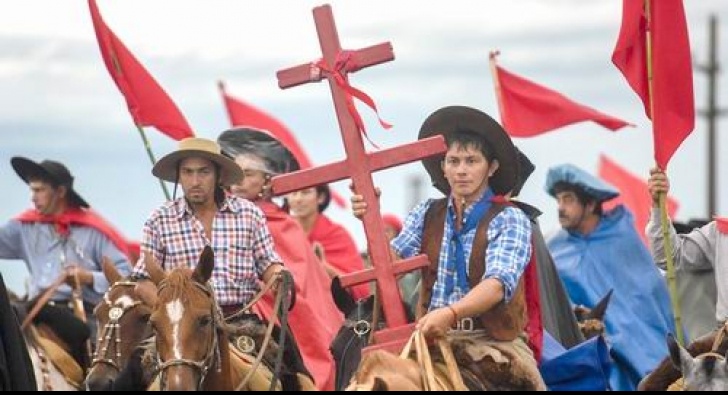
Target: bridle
column 112, row 329
column 716, row 345
column 212, row 356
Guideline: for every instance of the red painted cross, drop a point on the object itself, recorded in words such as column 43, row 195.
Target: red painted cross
column 359, row 165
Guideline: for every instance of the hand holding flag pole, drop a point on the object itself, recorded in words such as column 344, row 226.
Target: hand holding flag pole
column 653, row 53
column 664, row 219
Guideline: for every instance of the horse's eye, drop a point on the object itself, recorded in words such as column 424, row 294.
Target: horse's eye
column 144, row 318
column 204, row 321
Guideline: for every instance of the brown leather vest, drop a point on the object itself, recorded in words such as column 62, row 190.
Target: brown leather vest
column 503, row 322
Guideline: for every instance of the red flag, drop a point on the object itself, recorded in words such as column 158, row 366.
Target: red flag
column 244, row 114
column 148, row 104
column 672, row 75
column 633, row 194
column 529, row 109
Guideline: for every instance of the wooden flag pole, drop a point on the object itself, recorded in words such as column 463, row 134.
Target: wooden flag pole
column 496, row 83
column 151, row 158
column 664, row 218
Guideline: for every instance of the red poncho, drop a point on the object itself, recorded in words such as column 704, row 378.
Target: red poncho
column 77, row 216
column 340, row 250
column 314, row 320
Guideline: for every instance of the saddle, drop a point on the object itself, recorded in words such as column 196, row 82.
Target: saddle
column 247, row 335
column 60, row 358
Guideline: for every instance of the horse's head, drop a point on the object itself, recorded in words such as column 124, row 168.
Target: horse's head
column 185, row 321
column 706, row 372
column 353, row 336
column 123, row 321
column 591, row 321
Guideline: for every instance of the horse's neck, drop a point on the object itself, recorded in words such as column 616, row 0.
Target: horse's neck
column 219, row 378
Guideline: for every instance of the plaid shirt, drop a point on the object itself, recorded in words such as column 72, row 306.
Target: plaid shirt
column 508, row 253
column 241, row 242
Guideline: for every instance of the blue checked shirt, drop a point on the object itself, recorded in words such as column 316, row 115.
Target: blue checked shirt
column 508, row 253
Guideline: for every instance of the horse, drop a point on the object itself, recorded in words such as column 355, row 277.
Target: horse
column 701, row 365
column 193, row 351
column 706, row 372
column 123, row 321
column 53, row 367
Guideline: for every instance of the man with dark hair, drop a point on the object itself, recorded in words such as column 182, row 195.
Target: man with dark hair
column 476, row 289
column 61, row 236
column 176, row 233
column 597, row 252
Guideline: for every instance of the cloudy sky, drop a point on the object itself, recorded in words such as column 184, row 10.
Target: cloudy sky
column 57, row 100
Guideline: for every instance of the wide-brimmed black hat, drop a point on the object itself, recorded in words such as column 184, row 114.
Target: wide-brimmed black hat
column 50, row 170
column 525, row 169
column 458, row 119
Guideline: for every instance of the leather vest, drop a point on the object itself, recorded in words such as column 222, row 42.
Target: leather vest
column 505, row 321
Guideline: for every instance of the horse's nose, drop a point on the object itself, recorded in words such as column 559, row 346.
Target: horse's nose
column 99, row 384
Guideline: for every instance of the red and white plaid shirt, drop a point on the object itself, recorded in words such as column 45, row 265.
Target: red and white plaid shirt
column 241, row 242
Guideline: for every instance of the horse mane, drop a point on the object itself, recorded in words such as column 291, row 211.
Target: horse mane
column 176, row 284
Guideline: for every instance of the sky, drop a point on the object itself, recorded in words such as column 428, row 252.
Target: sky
column 58, row 101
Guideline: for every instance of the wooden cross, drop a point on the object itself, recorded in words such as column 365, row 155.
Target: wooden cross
column 359, row 166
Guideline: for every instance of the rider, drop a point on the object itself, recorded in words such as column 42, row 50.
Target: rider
column 479, row 247
column 338, row 251
column 314, row 320
column 62, row 237
column 597, row 252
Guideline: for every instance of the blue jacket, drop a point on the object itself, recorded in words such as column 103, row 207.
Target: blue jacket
column 639, row 315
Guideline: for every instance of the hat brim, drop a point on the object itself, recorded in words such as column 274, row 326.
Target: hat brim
column 28, row 170
column 166, row 167
column 460, row 118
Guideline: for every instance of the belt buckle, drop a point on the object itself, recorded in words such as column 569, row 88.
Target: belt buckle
column 466, row 324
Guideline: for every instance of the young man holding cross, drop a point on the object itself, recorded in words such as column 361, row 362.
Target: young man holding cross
column 478, row 245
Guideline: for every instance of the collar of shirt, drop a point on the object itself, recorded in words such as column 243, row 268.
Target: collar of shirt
column 182, row 208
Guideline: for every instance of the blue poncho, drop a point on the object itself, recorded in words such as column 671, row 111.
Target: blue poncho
column 639, row 316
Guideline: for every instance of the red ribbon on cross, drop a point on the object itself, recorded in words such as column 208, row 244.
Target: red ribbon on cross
column 345, row 61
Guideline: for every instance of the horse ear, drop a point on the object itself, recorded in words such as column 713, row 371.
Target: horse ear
column 203, row 271
column 343, row 300
column 597, row 313
column 110, row 271
column 156, row 273
column 680, row 357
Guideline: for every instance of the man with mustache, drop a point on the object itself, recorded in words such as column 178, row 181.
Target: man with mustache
column 598, row 251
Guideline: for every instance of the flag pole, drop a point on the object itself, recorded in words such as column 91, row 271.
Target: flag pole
column 151, row 158
column 496, row 83
column 664, row 218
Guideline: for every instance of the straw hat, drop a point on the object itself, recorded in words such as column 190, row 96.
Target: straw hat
column 195, row 147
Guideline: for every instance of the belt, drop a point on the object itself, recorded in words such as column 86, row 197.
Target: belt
column 88, row 307
column 467, row 324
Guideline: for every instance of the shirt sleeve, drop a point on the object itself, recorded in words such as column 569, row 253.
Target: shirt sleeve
column 694, row 251
column 107, row 249
column 409, row 241
column 151, row 244
column 509, row 249
column 10, row 240
column 263, row 247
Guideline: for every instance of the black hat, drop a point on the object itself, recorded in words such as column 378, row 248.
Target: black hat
column 49, row 170
column 526, row 168
column 260, row 143
column 455, row 119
